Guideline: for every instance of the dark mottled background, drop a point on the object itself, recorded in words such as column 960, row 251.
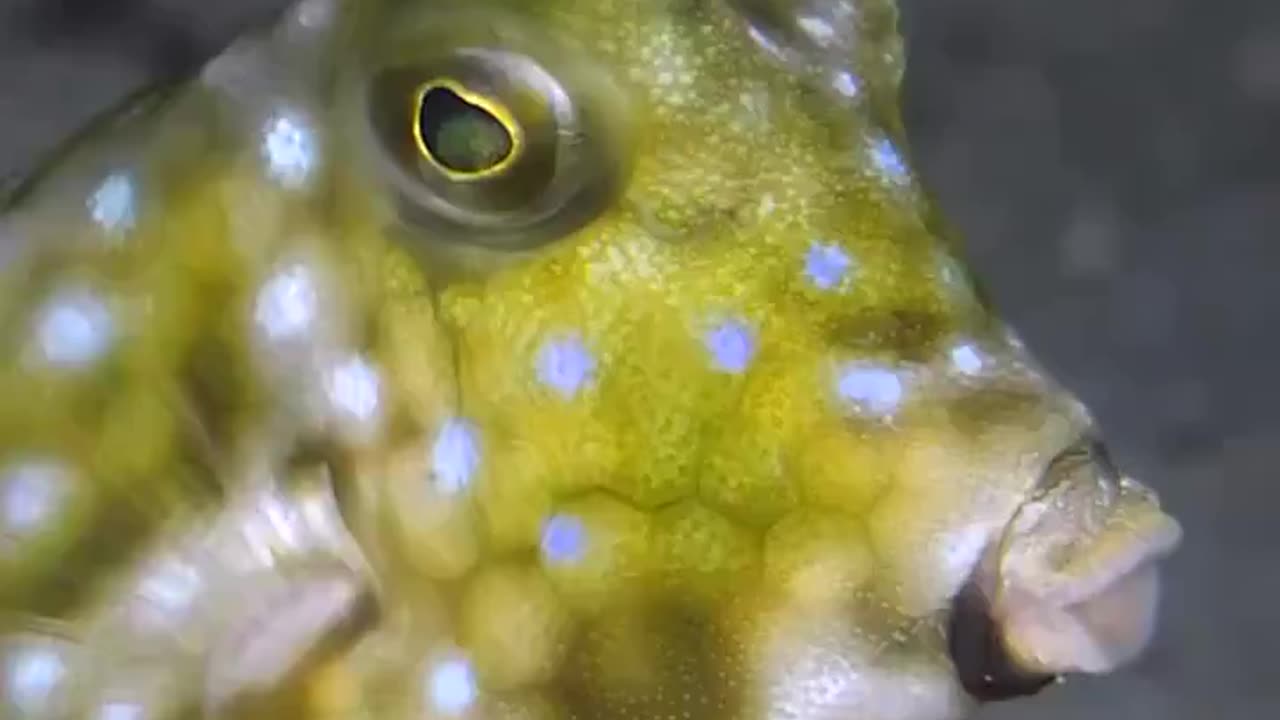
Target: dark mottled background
column 1114, row 165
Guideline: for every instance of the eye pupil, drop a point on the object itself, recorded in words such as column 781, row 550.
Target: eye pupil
column 462, row 136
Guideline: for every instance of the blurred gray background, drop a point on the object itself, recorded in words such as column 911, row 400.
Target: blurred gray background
column 1114, row 165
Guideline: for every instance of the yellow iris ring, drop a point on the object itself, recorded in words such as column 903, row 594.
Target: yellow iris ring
column 495, row 108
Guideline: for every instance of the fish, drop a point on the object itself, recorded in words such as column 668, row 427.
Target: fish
column 584, row 359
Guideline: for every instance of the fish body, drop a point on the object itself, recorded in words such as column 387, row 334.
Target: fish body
column 579, row 358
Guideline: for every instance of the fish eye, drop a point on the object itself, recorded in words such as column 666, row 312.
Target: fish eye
column 465, row 134
column 496, row 148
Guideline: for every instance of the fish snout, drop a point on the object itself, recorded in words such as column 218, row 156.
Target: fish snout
column 1071, row 586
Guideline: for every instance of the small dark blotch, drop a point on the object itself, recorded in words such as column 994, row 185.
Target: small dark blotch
column 993, row 408
column 910, row 335
column 982, row 665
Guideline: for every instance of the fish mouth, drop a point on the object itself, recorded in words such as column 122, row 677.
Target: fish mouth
column 1072, row 585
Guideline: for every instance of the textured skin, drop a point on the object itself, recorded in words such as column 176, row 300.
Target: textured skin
column 721, row 439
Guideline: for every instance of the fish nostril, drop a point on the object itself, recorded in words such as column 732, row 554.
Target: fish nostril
column 983, row 666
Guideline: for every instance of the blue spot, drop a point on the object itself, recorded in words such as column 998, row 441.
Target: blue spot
column 455, row 456
column 453, row 687
column 869, row 389
column 290, row 149
column 846, row 83
column 731, row 346
column 75, row 329
column 288, row 304
column 966, row 358
column 355, row 389
column 826, row 265
column 30, row 494
column 33, row 677
column 889, row 161
column 112, row 205
column 565, row 365
column 564, row 539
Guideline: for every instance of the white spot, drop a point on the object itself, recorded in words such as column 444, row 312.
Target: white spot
column 767, row 205
column 565, row 365
column 889, row 161
column 633, row 257
column 767, row 43
column 818, row 29
column 967, row 359
column 289, row 149
column 113, row 205
column 834, row 674
column 452, row 687
column 669, row 65
column 354, row 388
column 953, row 277
column 731, row 345
column 118, row 710
column 30, row 494
column 564, row 539
column 1013, row 339
column 826, row 265
column 960, row 550
column 315, row 13
column 870, row 389
column 846, row 84
column 169, row 589
column 455, row 456
column 755, row 107
column 75, row 329
column 33, row 678
column 288, row 303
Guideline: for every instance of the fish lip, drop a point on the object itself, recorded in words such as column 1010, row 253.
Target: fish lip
column 1158, row 540
column 1071, row 585
column 983, row 665
column 310, row 620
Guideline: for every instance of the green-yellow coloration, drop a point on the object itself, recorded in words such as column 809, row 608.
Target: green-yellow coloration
column 690, row 410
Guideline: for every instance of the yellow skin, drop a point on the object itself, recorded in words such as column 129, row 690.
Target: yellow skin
column 684, row 407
